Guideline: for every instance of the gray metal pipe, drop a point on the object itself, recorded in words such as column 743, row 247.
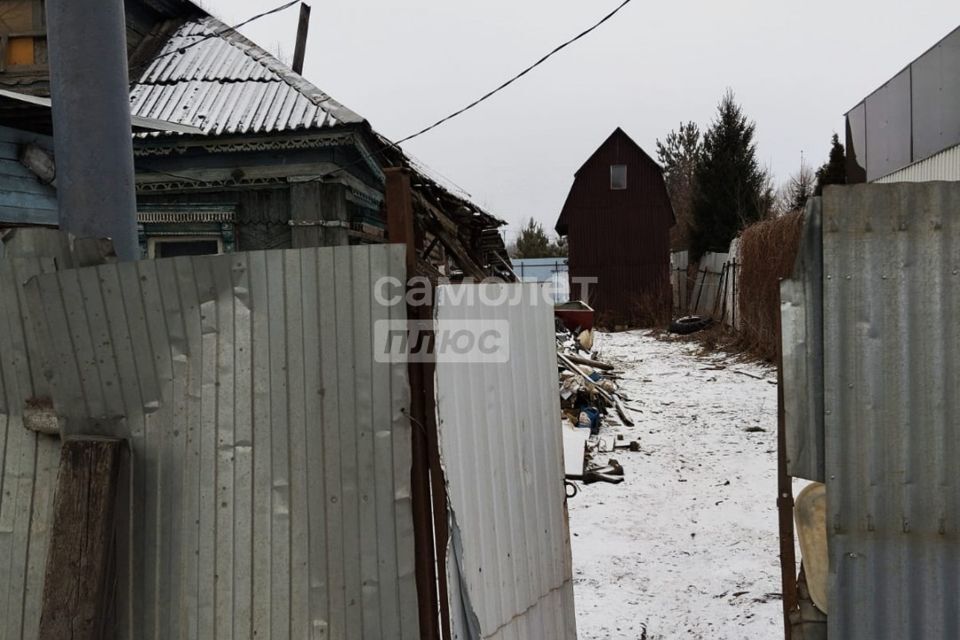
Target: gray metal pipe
column 91, row 121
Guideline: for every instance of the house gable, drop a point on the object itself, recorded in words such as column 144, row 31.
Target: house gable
column 591, row 190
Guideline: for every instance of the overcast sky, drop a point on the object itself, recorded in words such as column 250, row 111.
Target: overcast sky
column 796, row 67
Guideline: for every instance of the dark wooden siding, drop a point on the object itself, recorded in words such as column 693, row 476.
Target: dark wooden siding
column 622, row 238
column 262, row 215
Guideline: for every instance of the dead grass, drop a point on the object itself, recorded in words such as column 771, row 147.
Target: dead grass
column 648, row 311
column 768, row 250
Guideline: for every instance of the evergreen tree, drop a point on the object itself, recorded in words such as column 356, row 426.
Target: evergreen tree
column 730, row 185
column 799, row 189
column 534, row 243
column 680, row 153
column 835, row 170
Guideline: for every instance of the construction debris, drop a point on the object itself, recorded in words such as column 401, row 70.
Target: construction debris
column 589, row 398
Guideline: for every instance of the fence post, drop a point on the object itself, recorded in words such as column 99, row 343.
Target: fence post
column 788, row 566
column 428, row 489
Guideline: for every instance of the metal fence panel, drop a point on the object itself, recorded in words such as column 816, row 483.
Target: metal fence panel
column 28, row 460
column 271, row 451
column 801, row 319
column 510, row 564
column 891, row 261
column 706, row 287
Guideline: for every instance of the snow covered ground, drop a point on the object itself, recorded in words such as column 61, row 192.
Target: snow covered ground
column 686, row 547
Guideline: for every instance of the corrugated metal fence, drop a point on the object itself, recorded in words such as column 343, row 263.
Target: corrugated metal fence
column 510, row 565
column 28, row 460
column 891, row 412
column 271, row 461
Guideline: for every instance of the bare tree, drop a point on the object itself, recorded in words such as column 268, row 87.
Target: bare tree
column 798, row 188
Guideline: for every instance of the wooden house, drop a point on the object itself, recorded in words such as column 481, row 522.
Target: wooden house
column 617, row 220
column 270, row 161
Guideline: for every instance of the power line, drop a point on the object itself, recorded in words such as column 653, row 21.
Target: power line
column 483, row 98
column 489, row 94
column 506, row 84
column 226, row 29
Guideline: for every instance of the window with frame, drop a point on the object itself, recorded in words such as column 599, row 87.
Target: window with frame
column 167, row 231
column 23, row 37
column 618, row 177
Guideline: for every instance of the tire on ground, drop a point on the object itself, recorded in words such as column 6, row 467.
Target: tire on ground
column 689, row 324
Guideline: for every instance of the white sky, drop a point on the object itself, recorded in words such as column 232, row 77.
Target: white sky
column 796, row 67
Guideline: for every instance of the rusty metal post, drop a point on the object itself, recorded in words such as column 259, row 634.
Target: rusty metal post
column 90, row 89
column 788, row 561
column 430, row 571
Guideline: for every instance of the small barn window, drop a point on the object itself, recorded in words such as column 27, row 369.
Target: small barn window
column 618, row 177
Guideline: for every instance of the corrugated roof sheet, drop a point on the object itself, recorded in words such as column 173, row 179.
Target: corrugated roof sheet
column 209, row 76
column 942, row 166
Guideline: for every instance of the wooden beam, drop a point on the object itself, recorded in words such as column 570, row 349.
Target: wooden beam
column 446, row 230
column 400, row 230
column 400, row 213
column 302, row 29
column 80, row 571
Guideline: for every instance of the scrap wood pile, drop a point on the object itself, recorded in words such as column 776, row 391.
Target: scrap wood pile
column 589, row 399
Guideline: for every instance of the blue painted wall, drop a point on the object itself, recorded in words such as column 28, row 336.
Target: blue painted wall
column 23, row 198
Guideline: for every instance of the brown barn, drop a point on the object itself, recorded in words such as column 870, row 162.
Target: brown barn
column 617, row 221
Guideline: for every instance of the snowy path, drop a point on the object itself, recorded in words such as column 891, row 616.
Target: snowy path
column 686, row 547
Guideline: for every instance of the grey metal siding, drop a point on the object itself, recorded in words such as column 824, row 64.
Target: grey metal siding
column 942, row 166
column 271, row 451
column 908, row 119
column 891, row 263
column 500, row 439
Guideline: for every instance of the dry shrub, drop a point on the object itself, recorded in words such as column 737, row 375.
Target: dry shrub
column 768, row 250
column 649, row 310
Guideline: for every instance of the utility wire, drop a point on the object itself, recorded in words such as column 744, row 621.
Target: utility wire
column 227, row 29
column 506, row 84
column 487, row 95
column 438, row 123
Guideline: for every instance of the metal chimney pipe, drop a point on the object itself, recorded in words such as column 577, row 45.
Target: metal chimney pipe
column 302, row 30
column 91, row 121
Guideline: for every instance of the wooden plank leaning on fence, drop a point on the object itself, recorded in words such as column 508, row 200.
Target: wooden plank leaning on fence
column 79, row 582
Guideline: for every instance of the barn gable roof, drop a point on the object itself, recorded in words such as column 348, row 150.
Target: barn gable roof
column 618, row 135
